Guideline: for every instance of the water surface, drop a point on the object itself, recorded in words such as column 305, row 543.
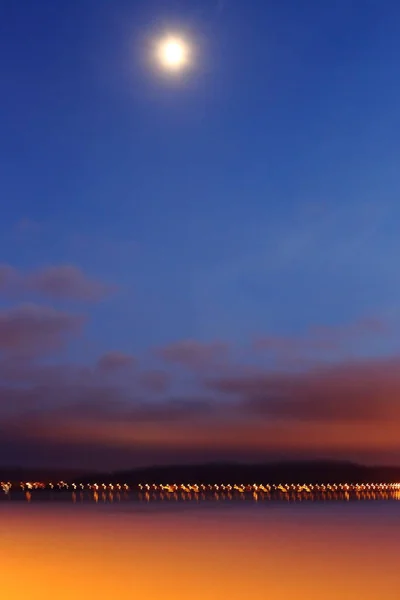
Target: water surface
column 331, row 551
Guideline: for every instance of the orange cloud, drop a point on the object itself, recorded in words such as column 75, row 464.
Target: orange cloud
column 353, row 391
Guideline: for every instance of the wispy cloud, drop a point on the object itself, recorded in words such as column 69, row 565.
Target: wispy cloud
column 330, row 408
column 34, row 330
column 113, row 361
column 62, row 282
column 192, row 354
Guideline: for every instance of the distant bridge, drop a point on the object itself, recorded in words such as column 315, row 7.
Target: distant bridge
column 256, row 491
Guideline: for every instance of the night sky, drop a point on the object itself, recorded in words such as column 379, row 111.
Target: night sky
column 202, row 265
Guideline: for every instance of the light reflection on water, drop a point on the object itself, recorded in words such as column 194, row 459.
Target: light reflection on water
column 216, row 497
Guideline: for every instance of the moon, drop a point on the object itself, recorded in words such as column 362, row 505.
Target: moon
column 173, row 53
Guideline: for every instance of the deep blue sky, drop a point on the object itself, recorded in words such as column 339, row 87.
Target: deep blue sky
column 257, row 194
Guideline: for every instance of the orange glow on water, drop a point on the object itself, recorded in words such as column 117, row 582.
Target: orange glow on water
column 58, row 552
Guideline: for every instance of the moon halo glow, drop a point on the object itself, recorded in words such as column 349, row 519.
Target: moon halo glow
column 173, row 54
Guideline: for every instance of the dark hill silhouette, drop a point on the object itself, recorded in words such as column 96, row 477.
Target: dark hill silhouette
column 17, row 474
column 274, row 473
